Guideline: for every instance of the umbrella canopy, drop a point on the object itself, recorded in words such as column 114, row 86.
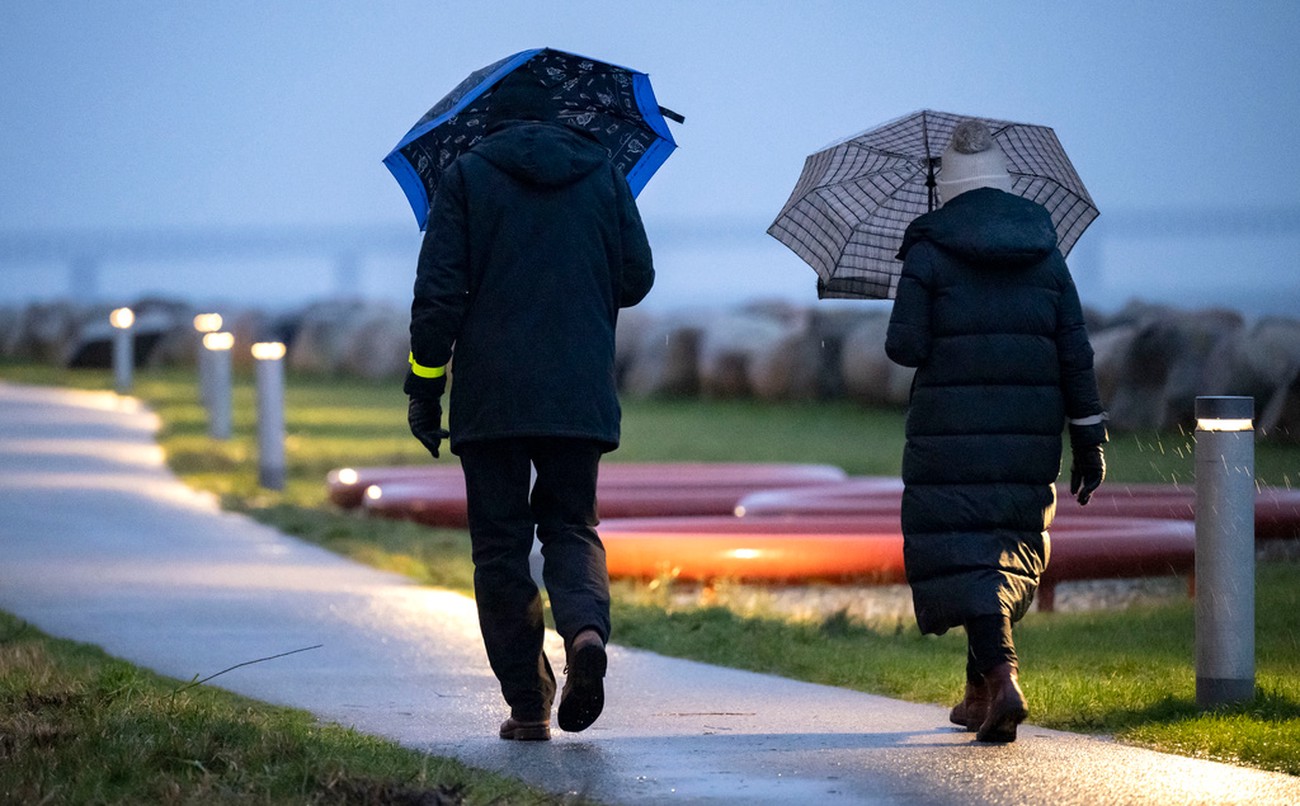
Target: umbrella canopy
column 613, row 103
column 855, row 198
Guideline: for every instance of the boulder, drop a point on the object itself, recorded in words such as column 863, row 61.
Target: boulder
column 248, row 326
column 832, row 327
column 730, row 344
column 1255, row 361
column 1280, row 419
column 378, row 344
column 869, row 376
column 665, row 360
column 10, row 317
column 322, row 334
column 44, row 332
column 790, row 366
column 1162, row 368
column 178, row 341
column 1109, row 346
column 630, row 337
column 91, row 344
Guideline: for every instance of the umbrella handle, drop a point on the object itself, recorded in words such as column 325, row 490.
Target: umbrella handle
column 671, row 115
column 930, row 183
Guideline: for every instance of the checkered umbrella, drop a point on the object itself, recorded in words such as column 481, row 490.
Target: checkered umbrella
column 614, row 104
column 854, row 199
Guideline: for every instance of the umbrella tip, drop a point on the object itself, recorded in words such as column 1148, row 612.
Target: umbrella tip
column 671, row 115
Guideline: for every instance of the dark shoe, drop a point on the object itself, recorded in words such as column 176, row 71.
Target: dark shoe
column 519, row 731
column 583, row 697
column 1007, row 706
column 974, row 707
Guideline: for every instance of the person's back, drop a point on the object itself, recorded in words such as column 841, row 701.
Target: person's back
column 551, row 247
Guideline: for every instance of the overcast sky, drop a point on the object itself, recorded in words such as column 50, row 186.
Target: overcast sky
column 161, row 114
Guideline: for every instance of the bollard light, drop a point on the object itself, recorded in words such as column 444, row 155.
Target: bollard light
column 219, row 342
column 206, row 323
column 218, row 346
column 1225, row 550
column 270, row 414
column 122, row 320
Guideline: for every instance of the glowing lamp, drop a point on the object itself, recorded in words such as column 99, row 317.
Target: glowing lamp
column 348, row 476
column 121, row 318
column 374, row 493
column 207, row 322
column 268, row 351
column 219, row 341
column 1225, row 413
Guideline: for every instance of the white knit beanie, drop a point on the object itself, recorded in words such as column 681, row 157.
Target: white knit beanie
column 972, row 161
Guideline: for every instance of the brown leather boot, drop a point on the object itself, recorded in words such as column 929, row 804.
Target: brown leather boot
column 523, row 731
column 974, row 707
column 1007, row 706
column 583, row 696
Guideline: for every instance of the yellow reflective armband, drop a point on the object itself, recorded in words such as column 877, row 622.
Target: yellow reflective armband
column 425, row 372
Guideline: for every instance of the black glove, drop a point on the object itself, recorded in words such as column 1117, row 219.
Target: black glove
column 424, row 415
column 1086, row 471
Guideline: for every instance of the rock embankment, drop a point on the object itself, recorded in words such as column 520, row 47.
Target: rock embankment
column 1152, row 360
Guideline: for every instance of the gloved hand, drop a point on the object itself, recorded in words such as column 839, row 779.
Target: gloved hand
column 424, row 415
column 1086, row 471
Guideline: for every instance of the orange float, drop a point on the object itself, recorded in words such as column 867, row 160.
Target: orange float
column 869, row 548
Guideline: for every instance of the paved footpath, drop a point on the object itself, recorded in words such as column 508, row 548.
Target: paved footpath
column 100, row 543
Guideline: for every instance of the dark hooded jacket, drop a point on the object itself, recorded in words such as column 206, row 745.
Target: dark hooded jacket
column 533, row 244
column 988, row 314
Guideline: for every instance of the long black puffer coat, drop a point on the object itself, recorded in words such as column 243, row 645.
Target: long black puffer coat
column 534, row 242
column 988, row 314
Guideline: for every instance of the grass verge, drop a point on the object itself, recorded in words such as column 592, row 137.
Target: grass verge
column 77, row 726
column 1126, row 673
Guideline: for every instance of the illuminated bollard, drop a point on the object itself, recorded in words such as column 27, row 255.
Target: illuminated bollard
column 270, row 414
column 218, row 346
column 122, row 320
column 206, row 323
column 1225, row 550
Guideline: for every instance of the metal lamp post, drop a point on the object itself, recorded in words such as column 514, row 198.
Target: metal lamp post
column 1225, row 550
column 122, row 320
column 206, row 323
column 270, row 414
column 218, row 346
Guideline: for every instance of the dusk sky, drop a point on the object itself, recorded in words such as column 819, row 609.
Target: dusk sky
column 152, row 114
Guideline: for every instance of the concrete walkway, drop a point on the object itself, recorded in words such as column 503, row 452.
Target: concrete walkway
column 100, row 543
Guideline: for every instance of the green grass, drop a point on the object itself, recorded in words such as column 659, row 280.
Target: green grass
column 77, row 726
column 1126, row 673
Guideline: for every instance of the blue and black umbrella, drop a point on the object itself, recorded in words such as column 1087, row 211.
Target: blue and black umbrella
column 615, row 104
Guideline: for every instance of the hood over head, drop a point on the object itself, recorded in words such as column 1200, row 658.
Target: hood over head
column 537, row 153
column 987, row 227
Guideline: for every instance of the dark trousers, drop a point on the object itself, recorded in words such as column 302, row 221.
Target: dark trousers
column 503, row 515
column 988, row 644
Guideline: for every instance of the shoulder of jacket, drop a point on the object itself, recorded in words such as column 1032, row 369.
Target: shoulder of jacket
column 922, row 256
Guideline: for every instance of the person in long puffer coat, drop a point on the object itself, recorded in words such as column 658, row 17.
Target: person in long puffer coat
column 987, row 313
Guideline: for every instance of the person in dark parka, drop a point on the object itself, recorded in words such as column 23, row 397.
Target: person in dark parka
column 988, row 314
column 533, row 245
